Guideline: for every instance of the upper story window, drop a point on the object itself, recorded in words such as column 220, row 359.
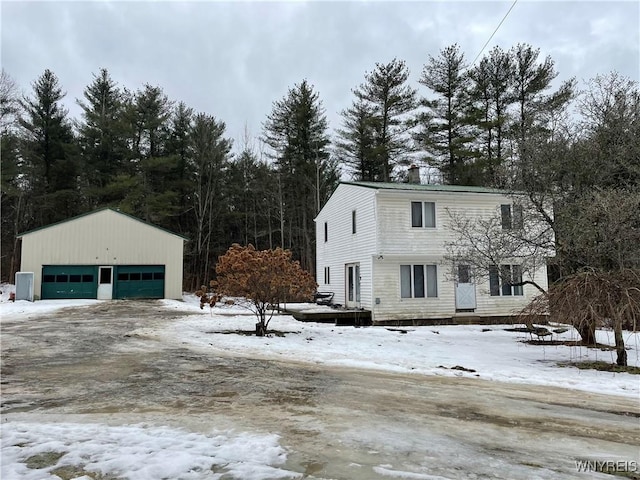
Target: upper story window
column 353, row 221
column 423, row 214
column 326, row 232
column 511, row 217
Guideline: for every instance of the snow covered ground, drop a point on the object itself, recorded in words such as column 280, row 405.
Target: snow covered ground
column 138, row 452
column 494, row 354
column 144, row 451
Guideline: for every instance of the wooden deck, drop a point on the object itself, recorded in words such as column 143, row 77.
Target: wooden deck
column 337, row 316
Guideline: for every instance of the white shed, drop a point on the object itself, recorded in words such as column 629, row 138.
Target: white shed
column 381, row 247
column 103, row 254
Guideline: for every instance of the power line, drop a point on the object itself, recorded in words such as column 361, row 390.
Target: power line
column 494, row 32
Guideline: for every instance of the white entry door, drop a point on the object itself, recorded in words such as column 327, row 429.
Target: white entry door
column 352, row 284
column 105, row 283
column 465, row 289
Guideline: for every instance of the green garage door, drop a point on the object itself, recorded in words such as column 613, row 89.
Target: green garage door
column 69, row 281
column 139, row 281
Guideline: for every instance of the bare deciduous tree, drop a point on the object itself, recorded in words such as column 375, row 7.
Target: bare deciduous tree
column 604, row 299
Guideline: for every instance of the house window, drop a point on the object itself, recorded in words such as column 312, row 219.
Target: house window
column 423, row 214
column 511, row 217
column 418, row 281
column 353, row 221
column 326, row 232
column 464, row 274
column 327, row 276
column 501, row 280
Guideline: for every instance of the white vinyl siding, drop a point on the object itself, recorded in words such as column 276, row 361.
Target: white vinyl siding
column 343, row 246
column 386, row 241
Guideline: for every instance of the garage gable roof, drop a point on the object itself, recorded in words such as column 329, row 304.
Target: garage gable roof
column 114, row 210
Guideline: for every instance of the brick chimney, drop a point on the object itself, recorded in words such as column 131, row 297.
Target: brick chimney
column 413, row 175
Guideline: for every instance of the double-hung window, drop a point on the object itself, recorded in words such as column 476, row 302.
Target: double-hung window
column 511, row 216
column 418, row 281
column 504, row 280
column 423, row 214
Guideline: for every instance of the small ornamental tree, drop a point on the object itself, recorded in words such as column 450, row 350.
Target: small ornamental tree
column 265, row 278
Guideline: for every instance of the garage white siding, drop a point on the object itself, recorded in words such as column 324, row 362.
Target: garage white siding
column 105, row 237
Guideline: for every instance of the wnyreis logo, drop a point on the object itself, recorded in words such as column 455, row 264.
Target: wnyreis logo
column 607, row 466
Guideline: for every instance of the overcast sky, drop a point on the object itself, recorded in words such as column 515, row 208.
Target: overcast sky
column 233, row 59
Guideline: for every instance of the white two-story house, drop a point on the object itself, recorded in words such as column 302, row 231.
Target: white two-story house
column 381, row 247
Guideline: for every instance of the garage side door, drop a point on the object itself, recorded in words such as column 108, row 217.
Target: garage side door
column 139, row 281
column 69, row 281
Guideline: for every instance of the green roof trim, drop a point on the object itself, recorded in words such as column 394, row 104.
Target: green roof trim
column 420, row 187
column 97, row 211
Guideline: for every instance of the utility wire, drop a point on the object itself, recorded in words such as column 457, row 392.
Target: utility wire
column 494, row 32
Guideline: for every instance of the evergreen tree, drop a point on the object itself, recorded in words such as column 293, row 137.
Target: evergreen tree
column 252, row 200
column 356, row 144
column 296, row 132
column 179, row 148
column 492, row 94
column 102, row 138
column 208, row 162
column 445, row 130
column 387, row 93
column 148, row 178
column 49, row 153
column 535, row 109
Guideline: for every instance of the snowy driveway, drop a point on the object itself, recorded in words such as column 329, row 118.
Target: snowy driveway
column 92, row 371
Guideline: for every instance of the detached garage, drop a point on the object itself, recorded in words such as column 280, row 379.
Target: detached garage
column 103, row 254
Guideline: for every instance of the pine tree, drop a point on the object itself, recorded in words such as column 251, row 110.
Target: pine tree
column 102, row 137
column 387, row 93
column 445, row 131
column 356, row 144
column 178, row 147
column 252, row 200
column 208, row 162
column 296, row 132
column 148, row 181
column 492, row 94
column 49, row 152
column 530, row 82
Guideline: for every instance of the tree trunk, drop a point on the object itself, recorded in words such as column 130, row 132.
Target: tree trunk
column 261, row 329
column 620, row 350
column 587, row 330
